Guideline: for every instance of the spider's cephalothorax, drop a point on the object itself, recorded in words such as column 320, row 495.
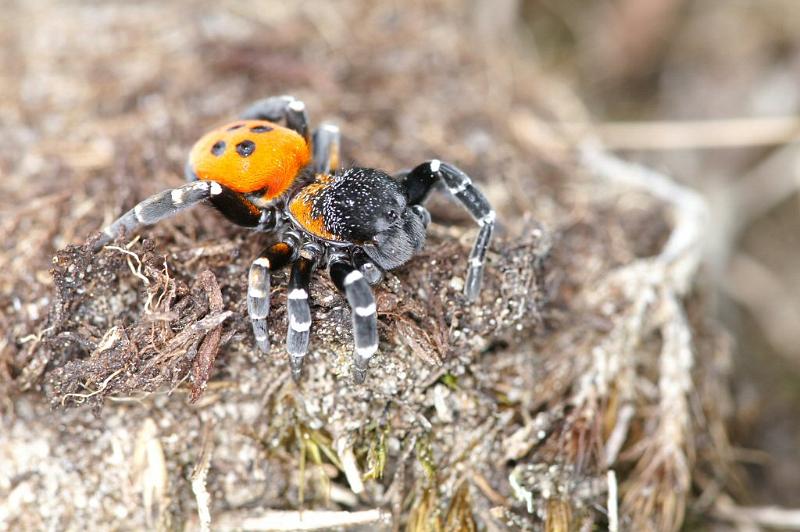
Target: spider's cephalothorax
column 357, row 222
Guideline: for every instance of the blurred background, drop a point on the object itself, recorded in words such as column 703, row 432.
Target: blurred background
column 709, row 92
column 705, row 91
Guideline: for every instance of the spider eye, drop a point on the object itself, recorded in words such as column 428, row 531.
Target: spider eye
column 392, row 215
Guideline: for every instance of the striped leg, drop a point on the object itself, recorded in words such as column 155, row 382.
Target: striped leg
column 418, row 184
column 369, row 269
column 298, row 308
column 159, row 206
column 354, row 286
column 327, row 148
column 258, row 287
column 277, row 108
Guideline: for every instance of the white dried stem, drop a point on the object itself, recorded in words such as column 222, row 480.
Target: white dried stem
column 619, row 433
column 344, row 449
column 150, row 469
column 691, row 134
column 305, row 520
column 199, row 481
column 673, row 268
column 613, row 507
column 646, row 294
column 683, row 251
column 674, row 381
column 757, row 516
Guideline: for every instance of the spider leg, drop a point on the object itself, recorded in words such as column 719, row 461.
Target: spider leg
column 327, row 148
column 170, row 202
column 277, row 108
column 158, row 207
column 273, row 258
column 354, row 286
column 298, row 307
column 372, row 273
column 419, row 182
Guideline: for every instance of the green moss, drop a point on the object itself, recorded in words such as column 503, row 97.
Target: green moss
column 376, row 455
column 425, row 457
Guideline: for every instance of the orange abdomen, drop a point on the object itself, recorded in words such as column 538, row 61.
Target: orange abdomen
column 251, row 156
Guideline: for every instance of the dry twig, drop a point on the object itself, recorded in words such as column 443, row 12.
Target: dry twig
column 199, row 475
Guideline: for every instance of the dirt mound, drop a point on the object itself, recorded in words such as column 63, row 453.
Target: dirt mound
column 586, row 385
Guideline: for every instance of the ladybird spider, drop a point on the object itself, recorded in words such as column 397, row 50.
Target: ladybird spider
column 359, row 222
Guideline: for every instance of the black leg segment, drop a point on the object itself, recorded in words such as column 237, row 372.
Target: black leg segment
column 277, row 108
column 241, row 211
column 298, row 308
column 418, row 183
column 327, row 148
column 354, row 286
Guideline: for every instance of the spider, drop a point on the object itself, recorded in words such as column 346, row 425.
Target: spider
column 357, row 222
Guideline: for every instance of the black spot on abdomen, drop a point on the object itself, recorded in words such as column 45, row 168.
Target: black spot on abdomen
column 235, row 127
column 246, row 148
column 218, row 148
column 260, row 129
